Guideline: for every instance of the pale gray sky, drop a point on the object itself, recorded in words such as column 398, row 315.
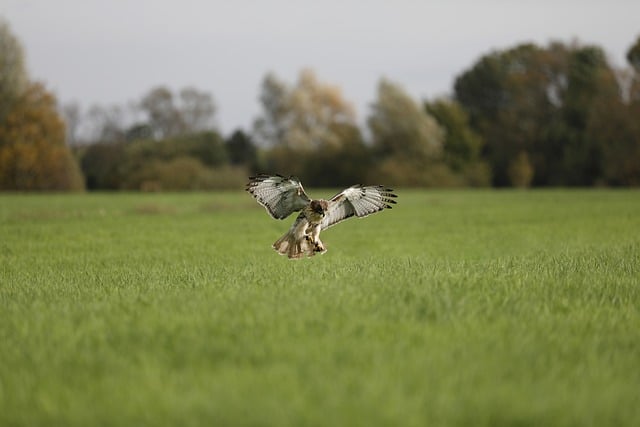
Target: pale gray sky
column 114, row 51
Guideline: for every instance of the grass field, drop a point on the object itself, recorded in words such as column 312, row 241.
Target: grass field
column 456, row 308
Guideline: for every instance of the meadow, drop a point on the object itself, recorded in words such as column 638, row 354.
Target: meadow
column 455, row 308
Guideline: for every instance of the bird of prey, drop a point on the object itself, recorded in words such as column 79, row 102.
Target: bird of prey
column 282, row 196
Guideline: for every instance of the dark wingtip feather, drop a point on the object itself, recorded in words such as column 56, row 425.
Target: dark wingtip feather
column 254, row 180
column 263, row 176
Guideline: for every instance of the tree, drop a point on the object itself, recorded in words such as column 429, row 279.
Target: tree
column 407, row 142
column 271, row 127
column 138, row 131
column 510, row 97
column 169, row 116
column 241, row 149
column 197, row 110
column 615, row 123
column 461, row 144
column 633, row 55
column 592, row 91
column 164, row 118
column 618, row 126
column 33, row 154
column 310, row 131
column 13, row 73
column 207, row 146
column 103, row 165
column 72, row 115
column 339, row 165
column 316, row 110
column 106, row 124
column 399, row 127
column 540, row 102
column 303, row 117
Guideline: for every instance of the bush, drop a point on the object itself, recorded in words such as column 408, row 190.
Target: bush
column 521, row 171
column 400, row 172
column 184, row 174
column 102, row 165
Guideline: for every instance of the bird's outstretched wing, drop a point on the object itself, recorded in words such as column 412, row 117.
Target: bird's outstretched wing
column 279, row 195
column 359, row 201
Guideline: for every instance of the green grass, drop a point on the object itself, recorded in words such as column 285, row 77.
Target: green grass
column 482, row 308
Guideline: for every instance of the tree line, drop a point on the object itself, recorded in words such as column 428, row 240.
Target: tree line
column 554, row 115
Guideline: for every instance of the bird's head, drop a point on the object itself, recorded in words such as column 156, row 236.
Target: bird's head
column 319, row 206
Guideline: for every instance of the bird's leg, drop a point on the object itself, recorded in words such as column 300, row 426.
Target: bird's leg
column 308, row 237
column 315, row 238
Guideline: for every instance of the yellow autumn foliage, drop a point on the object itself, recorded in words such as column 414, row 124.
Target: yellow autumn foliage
column 33, row 154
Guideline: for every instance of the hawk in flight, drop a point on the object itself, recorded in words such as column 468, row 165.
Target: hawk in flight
column 282, row 196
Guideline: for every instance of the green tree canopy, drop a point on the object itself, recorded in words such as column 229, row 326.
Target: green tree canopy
column 540, row 101
column 509, row 95
column 461, row 144
column 241, row 149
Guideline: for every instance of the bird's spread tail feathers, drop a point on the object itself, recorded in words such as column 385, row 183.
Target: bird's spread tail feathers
column 294, row 246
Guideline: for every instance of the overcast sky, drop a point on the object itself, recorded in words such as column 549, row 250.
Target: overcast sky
column 114, row 51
